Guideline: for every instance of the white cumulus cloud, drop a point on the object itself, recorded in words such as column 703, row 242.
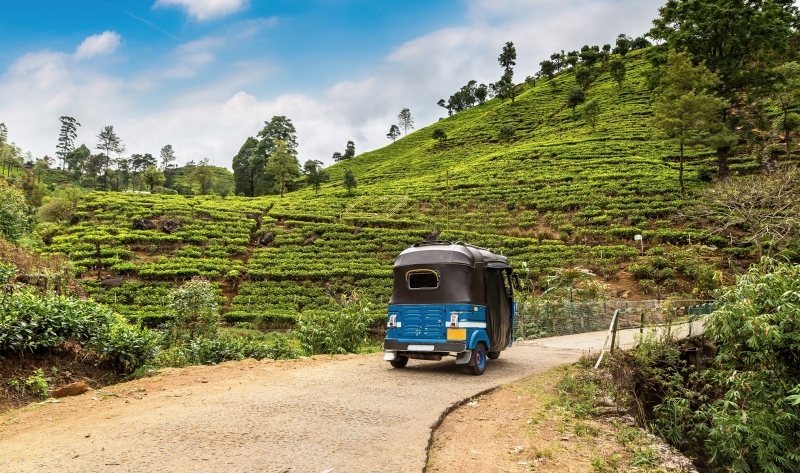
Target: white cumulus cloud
column 203, row 10
column 98, row 45
column 212, row 118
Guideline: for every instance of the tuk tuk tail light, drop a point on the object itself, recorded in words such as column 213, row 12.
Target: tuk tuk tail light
column 453, row 320
column 393, row 323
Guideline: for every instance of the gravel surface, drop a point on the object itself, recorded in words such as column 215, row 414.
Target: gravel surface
column 347, row 413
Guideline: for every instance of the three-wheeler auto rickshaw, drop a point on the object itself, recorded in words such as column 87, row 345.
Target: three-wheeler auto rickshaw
column 450, row 299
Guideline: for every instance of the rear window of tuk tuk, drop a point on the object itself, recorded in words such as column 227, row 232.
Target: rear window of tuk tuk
column 422, row 279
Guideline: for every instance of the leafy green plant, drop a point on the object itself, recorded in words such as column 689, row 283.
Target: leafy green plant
column 196, row 308
column 15, row 221
column 338, row 330
column 756, row 423
column 38, row 383
column 644, row 457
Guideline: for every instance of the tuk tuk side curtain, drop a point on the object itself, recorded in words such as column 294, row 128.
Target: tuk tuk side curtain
column 498, row 318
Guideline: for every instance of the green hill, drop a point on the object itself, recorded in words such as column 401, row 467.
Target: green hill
column 558, row 195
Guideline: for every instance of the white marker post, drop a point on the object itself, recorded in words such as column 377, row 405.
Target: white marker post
column 640, row 240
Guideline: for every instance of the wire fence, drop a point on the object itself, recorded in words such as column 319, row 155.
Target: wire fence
column 555, row 318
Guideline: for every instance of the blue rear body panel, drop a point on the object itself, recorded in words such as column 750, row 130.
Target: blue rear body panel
column 428, row 323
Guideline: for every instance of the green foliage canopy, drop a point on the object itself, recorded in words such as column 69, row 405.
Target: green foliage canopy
column 14, row 219
column 685, row 105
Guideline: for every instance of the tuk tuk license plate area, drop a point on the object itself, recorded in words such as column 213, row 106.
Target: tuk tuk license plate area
column 456, row 334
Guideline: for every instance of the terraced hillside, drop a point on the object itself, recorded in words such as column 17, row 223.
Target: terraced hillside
column 558, row 195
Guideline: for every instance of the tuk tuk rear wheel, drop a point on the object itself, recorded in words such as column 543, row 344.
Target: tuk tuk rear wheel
column 479, row 364
column 493, row 355
column 399, row 361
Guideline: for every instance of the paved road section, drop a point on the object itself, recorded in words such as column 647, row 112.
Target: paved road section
column 350, row 413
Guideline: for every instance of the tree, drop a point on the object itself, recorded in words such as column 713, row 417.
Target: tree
column 223, row 187
column 405, row 120
column 786, row 94
column 583, row 76
column 98, row 237
column 590, row 113
column 505, row 86
column 508, row 58
column 572, row 58
column 394, row 132
column 558, row 60
column 124, row 172
column 732, row 37
column 617, row 71
column 640, row 43
column 40, row 167
column 445, row 106
column 766, row 206
column 337, row 156
column 685, row 106
column 481, row 93
column 315, row 175
column 440, row 135
column 108, row 142
column 167, row 157
column 33, row 192
column 66, row 138
column 623, row 45
column 349, row 151
column 548, row 69
column 196, row 309
column 245, row 170
column 153, row 177
column 14, row 220
column 60, row 206
column 736, row 39
column 140, row 162
column 93, row 167
column 203, row 176
column 576, row 97
column 589, row 55
column 283, row 164
column 279, row 128
column 76, row 160
column 506, row 134
column 350, row 181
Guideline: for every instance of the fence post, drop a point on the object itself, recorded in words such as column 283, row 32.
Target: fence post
column 612, row 330
column 641, row 322
column 614, row 324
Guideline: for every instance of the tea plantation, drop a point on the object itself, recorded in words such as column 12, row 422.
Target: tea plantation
column 558, row 195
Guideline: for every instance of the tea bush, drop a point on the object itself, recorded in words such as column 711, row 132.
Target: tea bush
column 338, row 330
column 29, row 322
column 561, row 195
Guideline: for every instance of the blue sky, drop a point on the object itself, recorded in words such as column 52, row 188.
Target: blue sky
column 203, row 75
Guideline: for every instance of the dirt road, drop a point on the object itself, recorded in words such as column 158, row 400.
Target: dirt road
column 350, row 413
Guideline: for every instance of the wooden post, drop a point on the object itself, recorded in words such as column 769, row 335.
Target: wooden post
column 641, row 323
column 611, row 330
column 614, row 324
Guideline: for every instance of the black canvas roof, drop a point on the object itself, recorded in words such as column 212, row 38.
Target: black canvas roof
column 447, row 252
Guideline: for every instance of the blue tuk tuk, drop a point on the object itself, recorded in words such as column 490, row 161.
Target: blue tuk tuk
column 450, row 299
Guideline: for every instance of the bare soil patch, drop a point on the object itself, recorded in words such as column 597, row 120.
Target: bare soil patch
column 524, row 426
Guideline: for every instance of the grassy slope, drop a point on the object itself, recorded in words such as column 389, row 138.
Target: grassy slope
column 559, row 195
